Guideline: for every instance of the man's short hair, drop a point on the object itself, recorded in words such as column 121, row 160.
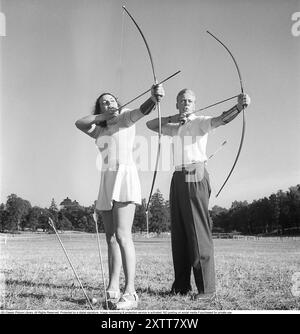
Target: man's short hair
column 184, row 90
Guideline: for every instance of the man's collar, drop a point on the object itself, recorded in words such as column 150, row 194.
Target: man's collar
column 191, row 116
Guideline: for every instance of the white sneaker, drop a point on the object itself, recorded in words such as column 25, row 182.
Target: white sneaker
column 128, row 301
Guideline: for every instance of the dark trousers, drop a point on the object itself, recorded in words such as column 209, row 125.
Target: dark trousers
column 192, row 245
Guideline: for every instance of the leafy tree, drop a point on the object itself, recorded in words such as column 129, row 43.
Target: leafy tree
column 217, row 215
column 3, row 217
column 284, row 210
column 158, row 219
column 33, row 217
column 260, row 216
column 275, row 211
column 74, row 214
column 53, row 211
column 44, row 221
column 216, row 210
column 87, row 224
column 53, row 206
column 139, row 223
column 17, row 209
column 238, row 216
column 63, row 222
column 293, row 196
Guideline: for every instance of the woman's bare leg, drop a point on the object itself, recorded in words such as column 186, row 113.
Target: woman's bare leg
column 114, row 254
column 123, row 215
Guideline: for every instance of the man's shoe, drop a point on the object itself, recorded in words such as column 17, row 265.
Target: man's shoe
column 182, row 292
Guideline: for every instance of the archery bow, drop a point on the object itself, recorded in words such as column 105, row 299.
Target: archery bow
column 243, row 110
column 158, row 110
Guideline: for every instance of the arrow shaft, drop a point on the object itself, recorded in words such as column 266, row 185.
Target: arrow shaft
column 148, row 90
column 70, row 262
column 214, row 104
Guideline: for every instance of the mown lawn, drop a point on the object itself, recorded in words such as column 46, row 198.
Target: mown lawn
column 251, row 274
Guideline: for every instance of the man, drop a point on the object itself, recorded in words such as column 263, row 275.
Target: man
column 191, row 236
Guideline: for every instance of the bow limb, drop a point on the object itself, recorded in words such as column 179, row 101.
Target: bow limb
column 145, row 41
column 243, row 111
column 157, row 157
column 238, row 154
column 158, row 108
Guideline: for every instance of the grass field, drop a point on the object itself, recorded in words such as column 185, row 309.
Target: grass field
column 251, row 274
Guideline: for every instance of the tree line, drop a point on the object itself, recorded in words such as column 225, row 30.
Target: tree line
column 17, row 214
column 278, row 214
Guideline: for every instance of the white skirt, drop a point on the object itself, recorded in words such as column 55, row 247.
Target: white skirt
column 121, row 185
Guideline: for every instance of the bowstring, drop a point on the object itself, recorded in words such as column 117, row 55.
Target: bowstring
column 120, row 66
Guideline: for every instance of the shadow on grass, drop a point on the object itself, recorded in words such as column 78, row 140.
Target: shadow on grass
column 11, row 282
column 155, row 292
column 40, row 297
column 78, row 301
column 37, row 296
column 68, row 289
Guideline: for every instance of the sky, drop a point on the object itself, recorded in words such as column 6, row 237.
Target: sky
column 59, row 55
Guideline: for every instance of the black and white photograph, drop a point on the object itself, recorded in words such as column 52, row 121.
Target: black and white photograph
column 149, row 158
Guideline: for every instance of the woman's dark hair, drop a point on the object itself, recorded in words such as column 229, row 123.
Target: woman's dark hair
column 97, row 108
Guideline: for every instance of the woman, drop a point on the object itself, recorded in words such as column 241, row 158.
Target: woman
column 114, row 131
